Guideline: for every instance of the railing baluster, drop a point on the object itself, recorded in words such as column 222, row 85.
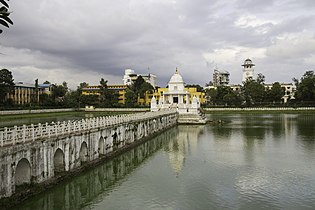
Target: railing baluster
column 25, row 133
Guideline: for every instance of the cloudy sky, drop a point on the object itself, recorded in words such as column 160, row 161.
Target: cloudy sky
column 79, row 40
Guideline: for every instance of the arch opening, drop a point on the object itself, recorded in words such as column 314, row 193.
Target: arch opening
column 101, row 147
column 83, row 153
column 23, row 172
column 59, row 161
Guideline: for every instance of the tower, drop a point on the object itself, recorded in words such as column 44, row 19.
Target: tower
column 248, row 69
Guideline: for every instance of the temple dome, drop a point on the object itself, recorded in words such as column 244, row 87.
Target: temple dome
column 176, row 78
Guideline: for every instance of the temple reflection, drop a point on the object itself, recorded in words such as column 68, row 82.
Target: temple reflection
column 184, row 142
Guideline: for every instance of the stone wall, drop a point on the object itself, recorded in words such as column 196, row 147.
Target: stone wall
column 40, row 159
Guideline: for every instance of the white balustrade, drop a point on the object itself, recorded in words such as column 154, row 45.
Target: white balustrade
column 22, row 134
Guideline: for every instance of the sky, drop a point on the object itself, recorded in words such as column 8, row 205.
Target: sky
column 82, row 41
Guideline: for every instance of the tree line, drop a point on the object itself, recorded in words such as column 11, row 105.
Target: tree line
column 253, row 92
column 62, row 96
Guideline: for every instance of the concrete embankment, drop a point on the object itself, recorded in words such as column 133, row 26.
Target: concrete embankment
column 259, row 109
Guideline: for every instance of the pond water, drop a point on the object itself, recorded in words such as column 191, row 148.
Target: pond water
column 248, row 162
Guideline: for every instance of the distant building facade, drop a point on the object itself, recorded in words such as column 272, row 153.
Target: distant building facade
column 289, row 90
column 130, row 76
column 26, row 93
column 95, row 90
column 220, row 78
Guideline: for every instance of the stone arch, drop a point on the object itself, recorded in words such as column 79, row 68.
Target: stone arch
column 115, row 140
column 23, row 172
column 101, row 147
column 84, row 153
column 59, row 161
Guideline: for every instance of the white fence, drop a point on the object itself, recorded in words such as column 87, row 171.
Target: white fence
column 21, row 134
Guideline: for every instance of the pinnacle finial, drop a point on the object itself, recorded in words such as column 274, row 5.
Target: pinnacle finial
column 176, row 72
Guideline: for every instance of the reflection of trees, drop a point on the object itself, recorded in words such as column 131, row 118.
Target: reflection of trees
column 220, row 132
column 253, row 128
column 306, row 130
column 88, row 186
column 278, row 126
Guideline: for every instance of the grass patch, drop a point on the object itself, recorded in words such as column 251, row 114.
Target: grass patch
column 37, row 115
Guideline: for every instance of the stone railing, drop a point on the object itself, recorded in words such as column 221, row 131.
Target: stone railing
column 20, row 134
column 115, row 109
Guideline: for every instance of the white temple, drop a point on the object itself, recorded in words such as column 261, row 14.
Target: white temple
column 178, row 98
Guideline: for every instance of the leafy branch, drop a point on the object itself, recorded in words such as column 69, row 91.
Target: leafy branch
column 4, row 15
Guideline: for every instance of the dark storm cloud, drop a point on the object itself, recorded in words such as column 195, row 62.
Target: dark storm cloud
column 97, row 38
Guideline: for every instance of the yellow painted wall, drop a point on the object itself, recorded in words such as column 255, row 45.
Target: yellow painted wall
column 95, row 90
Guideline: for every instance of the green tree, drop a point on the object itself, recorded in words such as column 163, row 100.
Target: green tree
column 140, row 87
column 131, row 98
column 108, row 98
column 4, row 15
column 232, row 99
column 306, row 87
column 46, row 100
column 222, row 91
column 145, row 87
column 92, row 100
column 59, row 91
column 35, row 97
column 260, row 78
column 253, row 91
column 211, row 95
column 6, row 84
column 79, row 93
column 137, row 84
column 275, row 94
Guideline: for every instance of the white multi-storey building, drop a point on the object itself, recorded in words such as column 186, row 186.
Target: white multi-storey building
column 220, row 78
column 130, row 76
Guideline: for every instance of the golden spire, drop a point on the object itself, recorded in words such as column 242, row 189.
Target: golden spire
column 176, row 72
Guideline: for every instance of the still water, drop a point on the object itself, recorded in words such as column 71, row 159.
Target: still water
column 249, row 162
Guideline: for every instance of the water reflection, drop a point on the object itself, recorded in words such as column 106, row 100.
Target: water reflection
column 185, row 141
column 249, row 162
column 98, row 182
column 306, row 131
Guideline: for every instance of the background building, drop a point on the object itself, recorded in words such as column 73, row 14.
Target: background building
column 95, row 90
column 220, row 78
column 288, row 90
column 24, row 93
column 130, row 76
